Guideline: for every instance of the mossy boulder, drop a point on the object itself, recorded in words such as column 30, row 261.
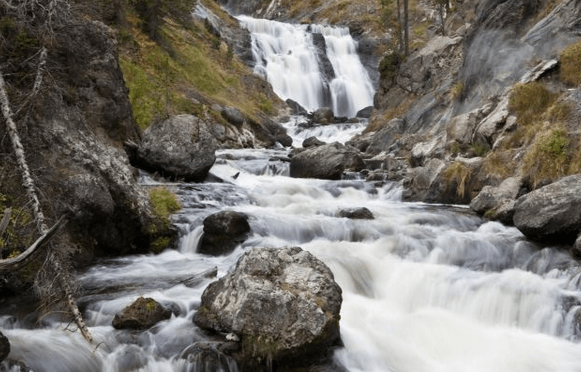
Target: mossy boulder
column 283, row 303
column 142, row 314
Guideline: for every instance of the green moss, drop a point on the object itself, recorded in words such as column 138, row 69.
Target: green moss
column 164, row 203
column 146, row 96
column 457, row 91
column 570, row 62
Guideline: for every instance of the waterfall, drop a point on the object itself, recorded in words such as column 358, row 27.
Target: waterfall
column 316, row 66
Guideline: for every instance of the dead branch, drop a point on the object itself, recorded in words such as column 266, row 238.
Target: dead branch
column 5, row 221
column 26, row 257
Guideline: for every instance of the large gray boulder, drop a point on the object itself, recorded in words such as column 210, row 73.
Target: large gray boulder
column 551, row 213
column 326, row 162
column 223, row 231
column 233, row 116
column 283, row 304
column 179, row 147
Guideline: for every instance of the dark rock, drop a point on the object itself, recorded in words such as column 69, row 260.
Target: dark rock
column 180, row 147
column 4, row 347
column 551, row 213
column 296, row 108
column 365, row 113
column 324, row 115
column 326, row 162
column 283, row 304
column 457, row 184
column 207, row 356
column 284, row 139
column 223, row 231
column 357, row 214
column 233, row 116
column 312, row 142
column 142, row 314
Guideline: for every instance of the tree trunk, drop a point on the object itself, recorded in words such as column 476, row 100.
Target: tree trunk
column 28, row 184
column 406, row 38
column 400, row 27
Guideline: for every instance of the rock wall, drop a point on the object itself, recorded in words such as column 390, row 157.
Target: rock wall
column 73, row 135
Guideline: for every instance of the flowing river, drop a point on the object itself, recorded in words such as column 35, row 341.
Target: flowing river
column 426, row 288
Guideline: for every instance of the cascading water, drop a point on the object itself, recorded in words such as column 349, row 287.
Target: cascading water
column 425, row 288
column 287, row 56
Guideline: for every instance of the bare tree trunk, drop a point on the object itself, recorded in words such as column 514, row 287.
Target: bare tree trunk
column 27, row 181
column 28, row 184
column 406, row 38
column 400, row 27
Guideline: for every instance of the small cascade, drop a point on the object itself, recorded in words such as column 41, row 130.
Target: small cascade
column 316, row 66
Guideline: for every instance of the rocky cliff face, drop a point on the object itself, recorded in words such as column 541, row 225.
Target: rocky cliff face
column 73, row 134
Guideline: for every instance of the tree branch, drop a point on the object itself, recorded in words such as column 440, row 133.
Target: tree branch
column 23, row 259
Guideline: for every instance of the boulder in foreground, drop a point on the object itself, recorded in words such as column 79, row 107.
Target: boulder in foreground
column 283, row 303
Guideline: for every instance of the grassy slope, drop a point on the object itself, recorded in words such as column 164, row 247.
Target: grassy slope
column 193, row 64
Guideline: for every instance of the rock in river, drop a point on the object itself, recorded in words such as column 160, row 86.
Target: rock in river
column 326, row 162
column 551, row 213
column 283, row 303
column 142, row 314
column 223, row 231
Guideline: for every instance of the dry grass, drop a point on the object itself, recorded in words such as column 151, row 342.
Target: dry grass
column 571, row 64
column 460, row 173
column 376, row 123
column 548, row 157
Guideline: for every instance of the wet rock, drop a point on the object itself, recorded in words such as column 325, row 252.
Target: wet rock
column 233, row 116
column 492, row 198
column 296, row 108
column 142, row 314
column 207, row 356
column 223, row 231
column 324, row 115
column 357, row 214
column 312, row 142
column 283, row 303
column 326, row 162
column 4, row 347
column 365, row 113
column 551, row 213
column 179, row 147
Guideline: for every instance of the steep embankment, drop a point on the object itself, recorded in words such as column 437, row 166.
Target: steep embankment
column 495, row 100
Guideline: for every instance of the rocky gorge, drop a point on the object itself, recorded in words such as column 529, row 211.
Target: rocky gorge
column 445, row 127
